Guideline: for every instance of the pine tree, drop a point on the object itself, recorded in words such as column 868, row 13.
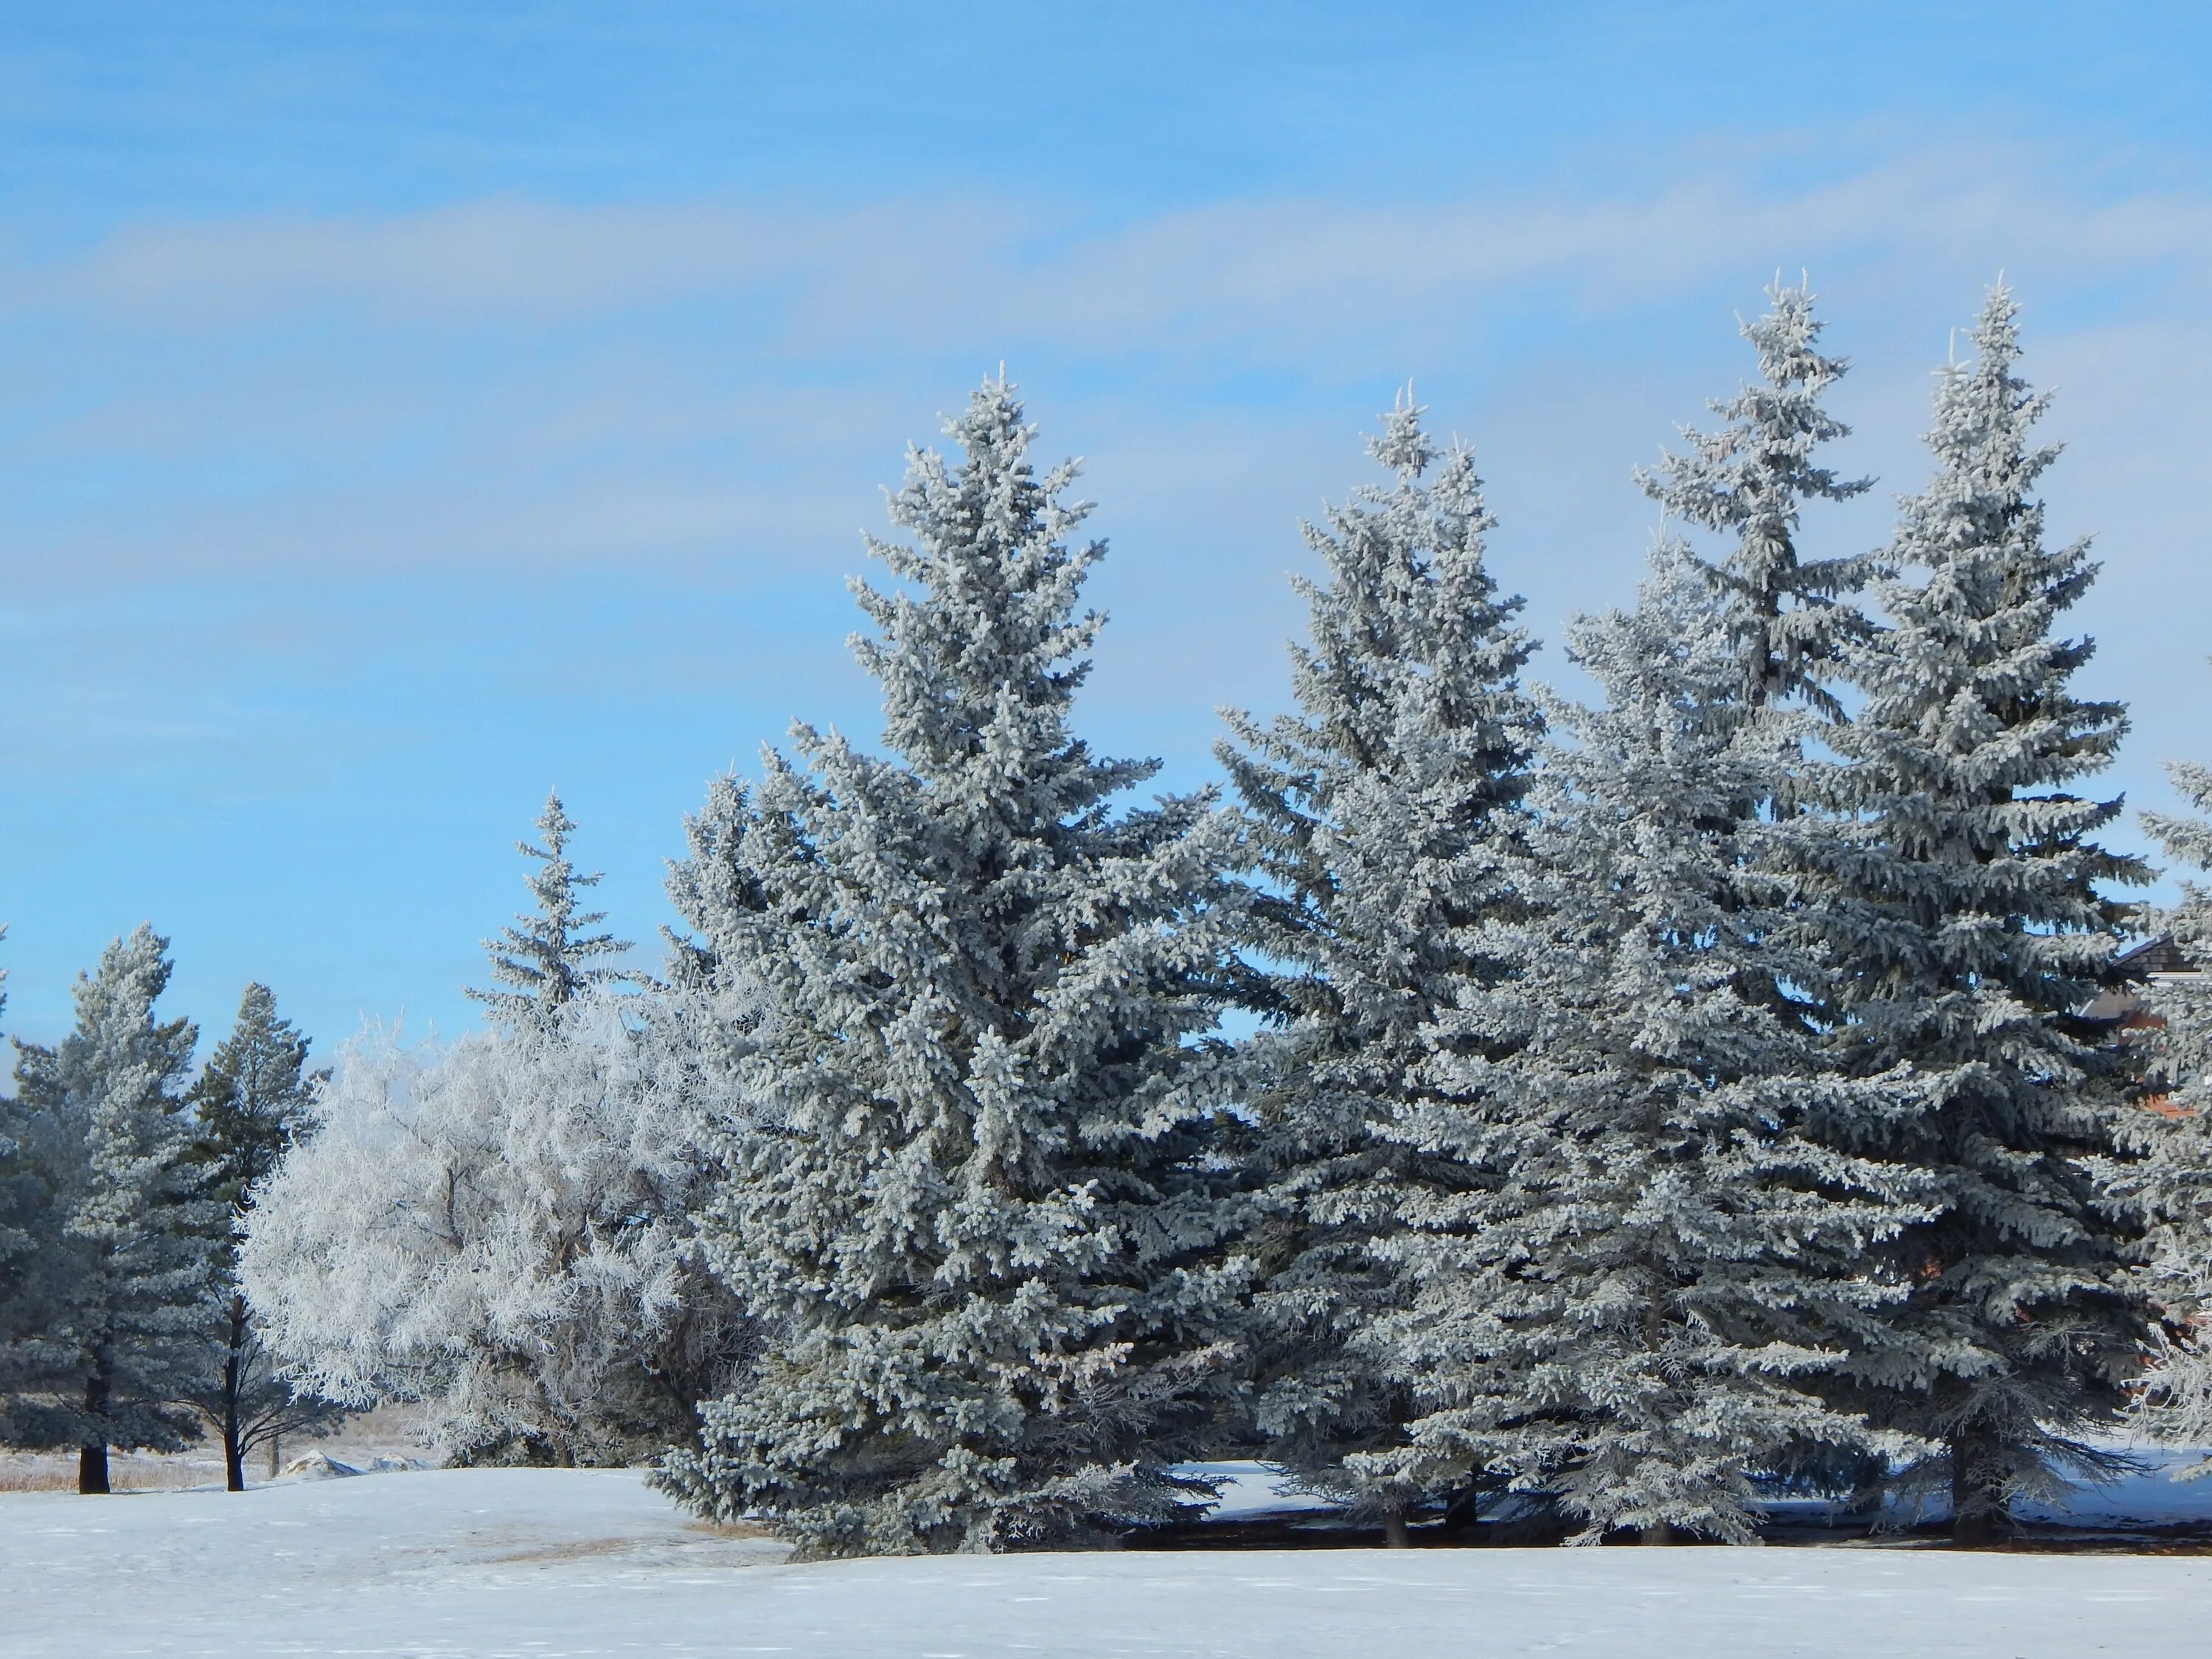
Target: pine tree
column 550, row 955
column 250, row 1102
column 1383, row 818
column 1789, row 617
column 1967, row 892
column 1622, row 1313
column 103, row 1119
column 982, row 1212
column 2167, row 1180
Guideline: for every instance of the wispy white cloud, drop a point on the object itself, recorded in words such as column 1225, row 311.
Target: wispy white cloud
column 504, row 382
column 930, row 274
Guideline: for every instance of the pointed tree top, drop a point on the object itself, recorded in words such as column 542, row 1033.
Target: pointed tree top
column 1403, row 446
column 549, row 955
column 1787, row 338
column 556, row 825
column 251, row 1100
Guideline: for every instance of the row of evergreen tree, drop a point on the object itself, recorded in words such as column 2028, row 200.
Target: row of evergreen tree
column 125, row 1185
column 1654, row 1102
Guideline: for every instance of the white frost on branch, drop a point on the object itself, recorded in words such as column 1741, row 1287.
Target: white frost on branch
column 500, row 1226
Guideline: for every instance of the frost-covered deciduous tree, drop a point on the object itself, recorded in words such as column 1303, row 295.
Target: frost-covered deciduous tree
column 1969, row 895
column 549, row 957
column 501, row 1228
column 250, row 1103
column 1385, row 818
column 1789, row 617
column 2168, row 1180
column 126, row 1266
column 983, row 1214
column 1621, row 1314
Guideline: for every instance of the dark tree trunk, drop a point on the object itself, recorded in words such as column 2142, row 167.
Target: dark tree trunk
column 234, row 1440
column 1394, row 1530
column 1661, row 1534
column 1978, row 1485
column 92, row 1456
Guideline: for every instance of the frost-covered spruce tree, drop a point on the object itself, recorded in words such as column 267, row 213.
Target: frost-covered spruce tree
column 1621, row 1314
column 1385, row 817
column 983, row 1220
column 2167, row 1181
column 546, row 957
column 1788, row 617
column 1970, row 897
column 102, row 1116
column 249, row 1103
column 40, row 1388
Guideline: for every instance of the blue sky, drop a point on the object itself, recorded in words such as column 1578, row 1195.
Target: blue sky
column 405, row 409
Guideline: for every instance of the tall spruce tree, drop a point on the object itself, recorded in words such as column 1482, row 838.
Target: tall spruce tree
column 1621, row 1315
column 545, row 958
column 1789, row 618
column 1968, row 894
column 250, row 1102
column 982, row 1209
column 39, row 1385
column 1385, row 817
column 103, row 1119
column 2167, row 1180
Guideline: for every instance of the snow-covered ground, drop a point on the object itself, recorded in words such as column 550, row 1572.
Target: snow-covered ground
column 542, row 1563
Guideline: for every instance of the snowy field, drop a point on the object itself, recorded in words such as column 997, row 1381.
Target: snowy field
column 547, row 1563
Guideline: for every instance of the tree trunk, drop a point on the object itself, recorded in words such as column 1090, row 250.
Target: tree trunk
column 1661, row 1534
column 92, row 1456
column 275, row 1441
column 1977, row 1505
column 234, row 1443
column 1394, row 1530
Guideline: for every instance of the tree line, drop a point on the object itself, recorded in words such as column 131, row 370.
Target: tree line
column 123, row 1195
column 1654, row 1104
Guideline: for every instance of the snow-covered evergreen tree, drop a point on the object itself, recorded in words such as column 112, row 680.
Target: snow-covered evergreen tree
column 41, row 1389
column 502, row 1229
column 1621, row 1311
column 102, row 1118
column 2169, row 1180
column 548, row 955
column 1968, row 893
column 250, row 1102
column 1788, row 617
column 1384, row 816
column 982, row 1217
